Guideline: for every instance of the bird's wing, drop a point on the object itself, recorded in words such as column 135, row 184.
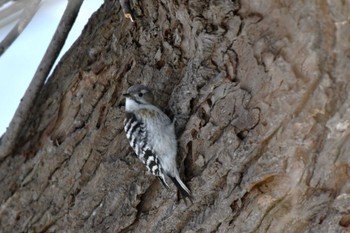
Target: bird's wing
column 137, row 135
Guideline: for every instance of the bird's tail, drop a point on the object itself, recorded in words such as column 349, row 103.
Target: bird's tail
column 162, row 179
column 181, row 186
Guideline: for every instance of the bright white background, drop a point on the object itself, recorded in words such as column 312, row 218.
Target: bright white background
column 18, row 64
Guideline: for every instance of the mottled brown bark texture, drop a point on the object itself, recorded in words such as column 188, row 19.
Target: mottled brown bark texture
column 260, row 91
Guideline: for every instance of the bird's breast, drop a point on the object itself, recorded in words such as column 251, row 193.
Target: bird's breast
column 146, row 113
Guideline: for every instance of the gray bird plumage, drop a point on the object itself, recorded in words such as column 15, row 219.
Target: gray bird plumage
column 152, row 136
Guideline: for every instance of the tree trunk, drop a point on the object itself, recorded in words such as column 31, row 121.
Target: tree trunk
column 260, row 91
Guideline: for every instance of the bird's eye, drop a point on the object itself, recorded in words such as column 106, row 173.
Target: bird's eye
column 140, row 94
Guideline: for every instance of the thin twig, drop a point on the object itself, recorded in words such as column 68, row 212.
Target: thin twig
column 8, row 142
column 11, row 13
column 2, row 2
column 128, row 11
column 29, row 11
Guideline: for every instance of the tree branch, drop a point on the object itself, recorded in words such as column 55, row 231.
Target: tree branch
column 11, row 13
column 2, row 2
column 29, row 11
column 8, row 142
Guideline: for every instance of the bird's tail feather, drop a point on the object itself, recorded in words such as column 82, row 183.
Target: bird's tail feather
column 181, row 186
column 162, row 179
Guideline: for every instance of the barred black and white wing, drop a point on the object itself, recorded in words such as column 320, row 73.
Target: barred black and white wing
column 136, row 133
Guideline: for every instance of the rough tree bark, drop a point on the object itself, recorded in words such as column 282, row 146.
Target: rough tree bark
column 260, row 90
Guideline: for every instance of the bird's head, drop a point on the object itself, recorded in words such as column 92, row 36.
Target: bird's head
column 140, row 94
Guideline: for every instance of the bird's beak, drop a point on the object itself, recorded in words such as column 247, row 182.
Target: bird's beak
column 126, row 94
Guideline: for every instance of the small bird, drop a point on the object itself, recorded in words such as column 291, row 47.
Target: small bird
column 152, row 136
